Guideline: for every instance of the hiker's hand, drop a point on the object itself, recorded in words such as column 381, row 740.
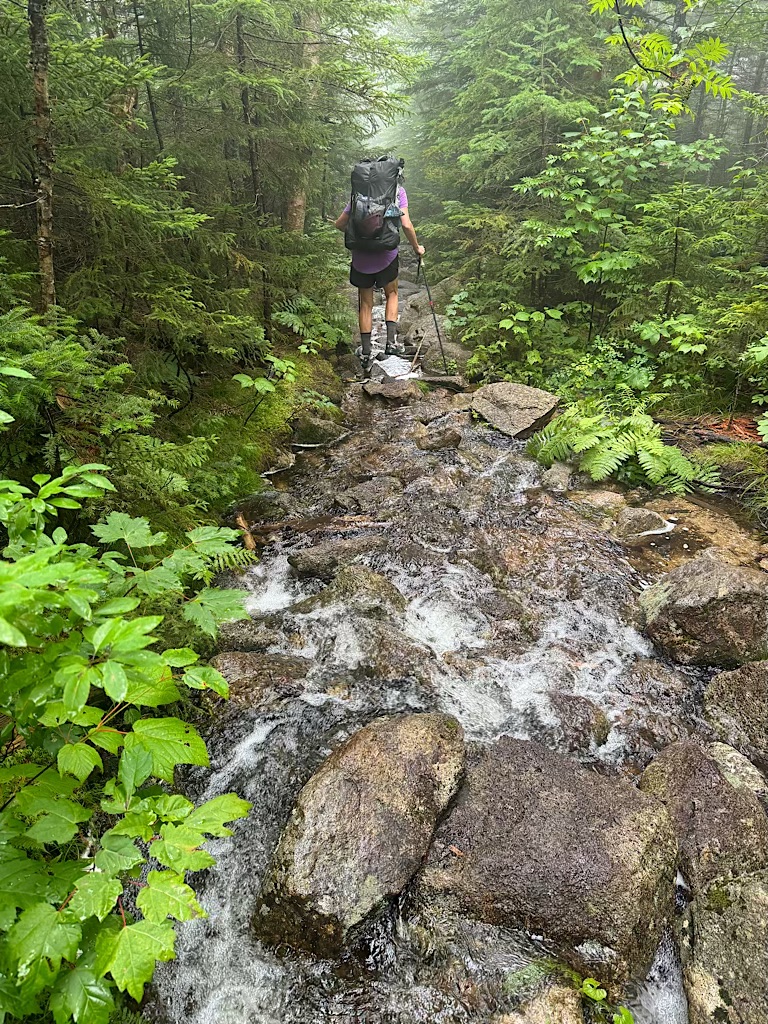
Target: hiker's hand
column 419, row 250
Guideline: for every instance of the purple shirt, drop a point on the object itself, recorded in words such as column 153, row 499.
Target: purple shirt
column 374, row 262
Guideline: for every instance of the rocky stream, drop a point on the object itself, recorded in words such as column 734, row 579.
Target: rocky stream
column 497, row 734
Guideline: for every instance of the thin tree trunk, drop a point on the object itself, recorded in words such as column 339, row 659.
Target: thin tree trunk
column 245, row 99
column 757, row 83
column 150, row 93
column 43, row 146
column 296, row 207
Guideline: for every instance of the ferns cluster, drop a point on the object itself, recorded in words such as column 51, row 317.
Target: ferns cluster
column 628, row 447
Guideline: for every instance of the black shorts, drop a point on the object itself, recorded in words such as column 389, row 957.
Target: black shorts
column 377, row 280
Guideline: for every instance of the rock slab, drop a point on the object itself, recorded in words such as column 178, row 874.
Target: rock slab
column 721, row 828
column 736, row 705
column 360, row 829
column 707, row 612
column 514, row 409
column 536, row 840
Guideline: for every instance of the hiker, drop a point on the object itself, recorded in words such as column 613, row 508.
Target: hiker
column 371, row 223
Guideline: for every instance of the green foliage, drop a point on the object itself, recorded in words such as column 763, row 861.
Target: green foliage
column 81, row 685
column 596, row 997
column 628, row 447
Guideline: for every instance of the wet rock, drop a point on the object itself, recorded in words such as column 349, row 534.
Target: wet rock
column 632, row 523
column 388, row 654
column 444, row 290
column 707, row 612
column 560, row 1004
column 514, row 409
column 558, row 477
column 250, row 674
column 738, row 769
column 313, row 428
column 582, row 723
column 722, row 830
column 370, row 495
column 269, row 505
column 360, row 590
column 322, row 561
column 725, row 953
column 247, row 635
column 400, row 392
column 536, row 840
column 360, row 829
column 435, row 438
column 602, row 504
column 736, row 705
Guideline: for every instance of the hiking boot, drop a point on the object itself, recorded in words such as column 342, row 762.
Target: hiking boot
column 396, row 348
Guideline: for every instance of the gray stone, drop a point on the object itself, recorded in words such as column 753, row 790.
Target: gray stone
column 722, row 830
column 725, row 953
column 321, row 561
column 738, row 769
column 558, row 477
column 250, row 674
column 559, row 1004
column 309, row 427
column 736, row 705
column 707, row 612
column 370, row 495
column 514, row 409
column 246, row 635
column 432, row 439
column 360, row 829
column 536, row 840
column 400, row 392
column 582, row 723
column 269, row 505
column 361, row 590
column 633, row 522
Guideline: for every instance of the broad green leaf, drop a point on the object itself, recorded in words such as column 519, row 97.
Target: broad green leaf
column 167, row 895
column 114, row 680
column 213, row 606
column 180, row 657
column 135, row 767
column 210, row 816
column 171, row 742
column 136, row 533
column 81, row 996
column 117, row 854
column 59, row 823
column 179, row 848
column 138, row 824
column 135, row 951
column 95, row 896
column 77, row 689
column 78, row 759
column 23, row 882
column 205, row 677
column 42, row 934
column 173, row 807
column 10, row 635
column 107, row 738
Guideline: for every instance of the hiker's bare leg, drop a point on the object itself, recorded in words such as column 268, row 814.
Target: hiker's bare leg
column 365, row 309
column 390, row 291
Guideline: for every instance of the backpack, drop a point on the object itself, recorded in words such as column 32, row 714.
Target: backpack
column 374, row 216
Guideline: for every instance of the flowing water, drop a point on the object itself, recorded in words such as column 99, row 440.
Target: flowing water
column 519, row 619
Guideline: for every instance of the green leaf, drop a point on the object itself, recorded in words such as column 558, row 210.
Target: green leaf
column 117, row 854
column 135, row 950
column 41, row 934
column 135, row 767
column 205, row 677
column 78, row 759
column 59, row 823
column 167, row 895
column 170, row 742
column 210, row 816
column 180, row 657
column 179, row 848
column 213, row 606
column 114, row 680
column 106, row 738
column 23, row 882
column 95, row 896
column 10, row 635
column 134, row 532
column 76, row 688
column 81, row 996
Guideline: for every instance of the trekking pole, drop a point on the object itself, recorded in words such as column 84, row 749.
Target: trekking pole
column 434, row 315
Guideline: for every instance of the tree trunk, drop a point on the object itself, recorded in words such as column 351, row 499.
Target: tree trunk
column 296, row 207
column 43, row 146
column 757, row 83
column 150, row 93
column 245, row 100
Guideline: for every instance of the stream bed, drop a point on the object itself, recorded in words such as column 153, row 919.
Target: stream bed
column 519, row 618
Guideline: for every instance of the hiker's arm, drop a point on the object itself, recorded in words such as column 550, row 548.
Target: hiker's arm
column 342, row 221
column 410, row 234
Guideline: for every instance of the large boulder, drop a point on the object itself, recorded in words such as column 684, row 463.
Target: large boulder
column 536, row 840
column 736, row 705
column 707, row 612
column 401, row 392
column 360, row 829
column 514, row 409
column 321, row 561
column 311, row 428
column 725, row 953
column 251, row 674
column 722, row 830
